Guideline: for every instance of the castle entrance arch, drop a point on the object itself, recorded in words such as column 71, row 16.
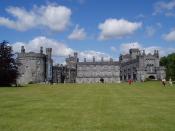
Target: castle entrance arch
column 101, row 80
column 152, row 77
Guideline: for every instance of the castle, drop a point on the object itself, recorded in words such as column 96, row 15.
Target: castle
column 34, row 67
column 136, row 65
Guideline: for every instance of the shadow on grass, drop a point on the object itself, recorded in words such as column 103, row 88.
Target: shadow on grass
column 11, row 86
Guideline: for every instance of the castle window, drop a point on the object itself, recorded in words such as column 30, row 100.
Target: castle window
column 33, row 74
column 38, row 62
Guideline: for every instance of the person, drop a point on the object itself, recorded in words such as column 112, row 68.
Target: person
column 170, row 82
column 101, row 80
column 163, row 82
column 129, row 81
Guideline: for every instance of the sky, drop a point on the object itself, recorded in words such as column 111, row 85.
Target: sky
column 100, row 28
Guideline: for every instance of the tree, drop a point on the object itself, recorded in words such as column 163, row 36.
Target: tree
column 169, row 63
column 8, row 65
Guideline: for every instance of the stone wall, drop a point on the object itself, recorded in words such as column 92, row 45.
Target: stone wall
column 92, row 72
column 141, row 66
column 34, row 67
column 31, row 69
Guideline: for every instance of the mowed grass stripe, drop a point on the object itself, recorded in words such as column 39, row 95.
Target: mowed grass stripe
column 142, row 106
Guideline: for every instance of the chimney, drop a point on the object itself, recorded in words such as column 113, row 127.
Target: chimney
column 84, row 59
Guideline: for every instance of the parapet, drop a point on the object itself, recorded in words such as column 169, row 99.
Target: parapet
column 31, row 55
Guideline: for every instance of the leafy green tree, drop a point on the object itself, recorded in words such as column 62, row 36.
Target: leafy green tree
column 169, row 63
column 8, row 65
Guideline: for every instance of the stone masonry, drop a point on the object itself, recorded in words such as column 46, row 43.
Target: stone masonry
column 136, row 65
column 34, row 67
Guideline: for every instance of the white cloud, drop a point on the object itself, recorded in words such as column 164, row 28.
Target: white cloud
column 113, row 48
column 81, row 1
column 140, row 16
column 60, row 50
column 159, row 25
column 170, row 36
column 150, row 31
column 77, row 1
column 162, row 6
column 124, row 48
column 162, row 51
column 117, row 28
column 54, row 17
column 89, row 54
column 170, row 14
column 77, row 34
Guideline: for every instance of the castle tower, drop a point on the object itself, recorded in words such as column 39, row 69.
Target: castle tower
column 134, row 53
column 41, row 50
column 49, row 64
column 111, row 60
column 93, row 59
column 76, row 56
column 157, row 54
column 22, row 49
column 120, row 57
column 32, row 67
column 49, row 52
column 102, row 59
column 143, row 53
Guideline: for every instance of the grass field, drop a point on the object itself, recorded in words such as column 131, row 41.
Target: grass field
column 88, row 107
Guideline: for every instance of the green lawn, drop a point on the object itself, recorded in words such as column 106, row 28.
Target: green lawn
column 88, row 107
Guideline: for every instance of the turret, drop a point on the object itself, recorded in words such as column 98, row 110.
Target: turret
column 84, row 59
column 111, row 60
column 143, row 52
column 120, row 57
column 156, row 53
column 102, row 59
column 76, row 56
column 49, row 64
column 134, row 52
column 41, row 50
column 93, row 59
column 49, row 53
column 22, row 49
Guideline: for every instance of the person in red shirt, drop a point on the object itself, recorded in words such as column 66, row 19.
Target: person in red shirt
column 129, row 81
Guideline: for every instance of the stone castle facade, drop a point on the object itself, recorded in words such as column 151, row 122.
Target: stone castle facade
column 34, row 67
column 136, row 65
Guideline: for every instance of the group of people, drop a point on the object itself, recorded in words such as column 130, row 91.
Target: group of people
column 130, row 81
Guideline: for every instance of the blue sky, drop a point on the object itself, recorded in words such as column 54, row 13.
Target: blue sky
column 101, row 28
